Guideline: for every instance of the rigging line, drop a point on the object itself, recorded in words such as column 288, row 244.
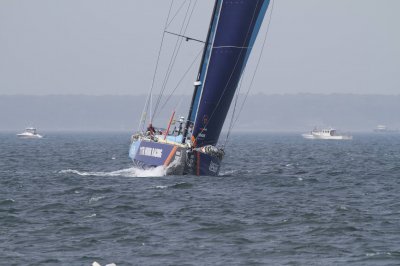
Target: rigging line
column 254, row 73
column 172, row 63
column 231, row 122
column 258, row 63
column 180, row 81
column 230, row 77
column 176, row 13
column 178, row 105
column 143, row 114
column 185, row 37
column 146, row 106
column 234, row 107
column 158, row 58
column 179, row 46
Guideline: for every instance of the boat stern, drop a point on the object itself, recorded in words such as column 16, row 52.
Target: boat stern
column 149, row 154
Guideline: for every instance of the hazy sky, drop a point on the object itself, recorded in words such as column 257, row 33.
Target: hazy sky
column 101, row 47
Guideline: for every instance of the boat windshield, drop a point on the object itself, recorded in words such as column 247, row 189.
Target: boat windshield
column 31, row 130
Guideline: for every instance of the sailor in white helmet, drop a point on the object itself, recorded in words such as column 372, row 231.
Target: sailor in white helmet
column 181, row 121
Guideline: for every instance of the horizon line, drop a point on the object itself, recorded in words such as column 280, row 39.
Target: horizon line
column 143, row 94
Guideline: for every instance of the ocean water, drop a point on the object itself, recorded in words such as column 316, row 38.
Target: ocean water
column 72, row 199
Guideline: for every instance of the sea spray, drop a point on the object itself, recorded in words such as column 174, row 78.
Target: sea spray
column 128, row 172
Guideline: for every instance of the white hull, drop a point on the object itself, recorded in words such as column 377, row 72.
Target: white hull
column 328, row 134
column 29, row 136
column 338, row 137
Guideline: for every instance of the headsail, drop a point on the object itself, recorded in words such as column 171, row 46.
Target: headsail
column 233, row 30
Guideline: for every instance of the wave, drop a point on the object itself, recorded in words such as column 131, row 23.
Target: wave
column 91, row 215
column 95, row 263
column 228, row 173
column 94, row 199
column 179, row 185
column 6, row 201
column 129, row 172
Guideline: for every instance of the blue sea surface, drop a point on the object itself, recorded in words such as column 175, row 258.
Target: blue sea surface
column 74, row 198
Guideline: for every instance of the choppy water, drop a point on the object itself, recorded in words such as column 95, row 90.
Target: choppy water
column 71, row 199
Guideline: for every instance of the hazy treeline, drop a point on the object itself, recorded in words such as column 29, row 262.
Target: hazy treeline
column 298, row 112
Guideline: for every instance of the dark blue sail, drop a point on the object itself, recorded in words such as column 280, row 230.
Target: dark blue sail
column 233, row 30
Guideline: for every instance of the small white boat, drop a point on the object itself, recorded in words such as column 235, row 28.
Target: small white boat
column 380, row 129
column 326, row 134
column 384, row 129
column 30, row 133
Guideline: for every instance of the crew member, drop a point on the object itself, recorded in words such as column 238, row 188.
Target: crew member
column 181, row 120
column 151, row 130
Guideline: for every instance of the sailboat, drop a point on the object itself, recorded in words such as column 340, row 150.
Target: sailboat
column 193, row 148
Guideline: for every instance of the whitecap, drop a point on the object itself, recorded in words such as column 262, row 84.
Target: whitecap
column 7, row 201
column 90, row 216
column 228, row 173
column 160, row 187
column 94, row 199
column 95, row 263
column 372, row 254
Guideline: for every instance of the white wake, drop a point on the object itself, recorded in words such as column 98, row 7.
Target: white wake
column 129, row 172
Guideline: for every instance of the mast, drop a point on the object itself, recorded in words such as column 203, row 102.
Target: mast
column 197, row 84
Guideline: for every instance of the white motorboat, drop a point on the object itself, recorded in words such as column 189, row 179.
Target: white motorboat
column 30, row 133
column 329, row 133
column 381, row 129
column 385, row 129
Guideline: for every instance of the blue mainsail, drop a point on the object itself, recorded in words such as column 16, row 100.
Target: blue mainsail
column 233, row 30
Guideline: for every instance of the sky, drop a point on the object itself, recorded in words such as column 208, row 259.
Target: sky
column 104, row 47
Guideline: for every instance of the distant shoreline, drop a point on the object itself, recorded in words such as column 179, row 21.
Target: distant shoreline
column 261, row 112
